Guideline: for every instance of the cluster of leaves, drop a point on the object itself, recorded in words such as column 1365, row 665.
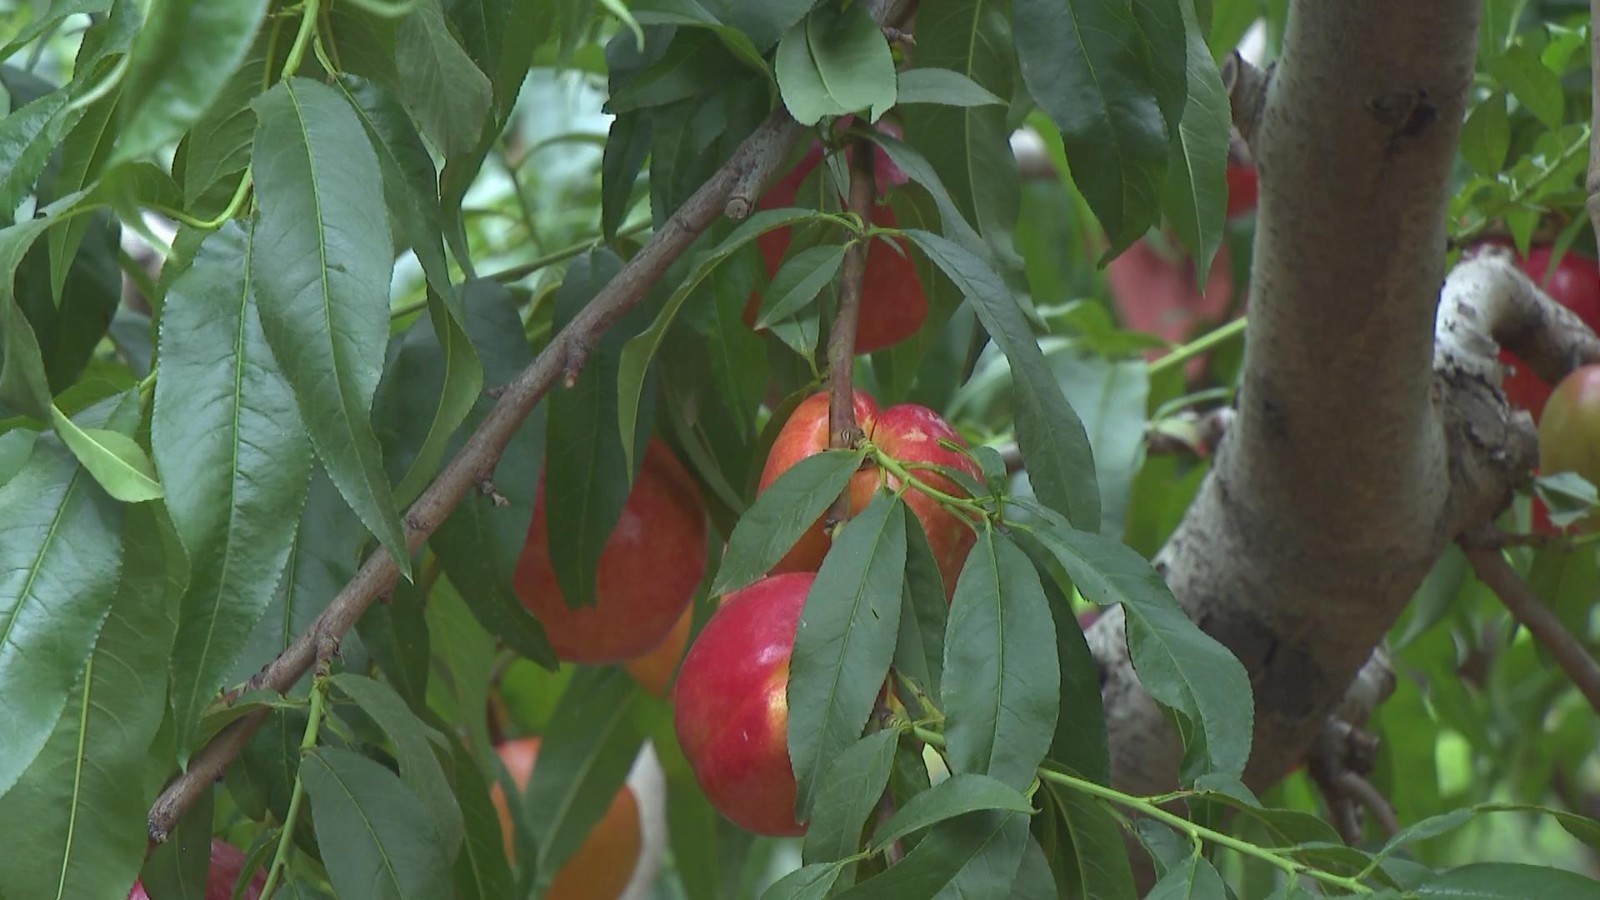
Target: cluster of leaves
column 185, row 483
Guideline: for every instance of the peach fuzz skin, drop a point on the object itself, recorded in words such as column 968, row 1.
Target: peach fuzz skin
column 909, row 433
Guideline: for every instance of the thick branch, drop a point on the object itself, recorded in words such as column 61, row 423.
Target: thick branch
column 1525, row 606
column 1489, row 302
column 755, row 160
column 1351, row 464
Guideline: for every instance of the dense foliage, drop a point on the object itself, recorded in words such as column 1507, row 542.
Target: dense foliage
column 266, row 265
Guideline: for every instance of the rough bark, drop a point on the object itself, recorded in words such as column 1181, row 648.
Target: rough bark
column 1353, row 460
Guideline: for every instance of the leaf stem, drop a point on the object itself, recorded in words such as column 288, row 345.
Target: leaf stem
column 302, row 39
column 1145, row 806
column 319, row 706
column 235, row 203
column 897, row 469
column 1197, row 347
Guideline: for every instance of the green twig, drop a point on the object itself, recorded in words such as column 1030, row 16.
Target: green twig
column 302, row 38
column 235, row 203
column 319, row 705
column 1197, row 347
column 897, row 469
column 1147, row 806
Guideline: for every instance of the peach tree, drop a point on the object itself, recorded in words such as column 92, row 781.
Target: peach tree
column 798, row 448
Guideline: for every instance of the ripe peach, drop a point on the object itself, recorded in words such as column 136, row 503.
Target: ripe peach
column 731, row 705
column 648, row 571
column 910, row 434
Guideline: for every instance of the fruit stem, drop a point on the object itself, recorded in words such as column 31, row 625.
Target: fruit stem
column 319, row 705
column 1146, row 806
column 1198, row 346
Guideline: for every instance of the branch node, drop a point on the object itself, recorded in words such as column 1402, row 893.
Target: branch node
column 487, row 489
column 573, row 361
column 496, row 392
column 1246, row 84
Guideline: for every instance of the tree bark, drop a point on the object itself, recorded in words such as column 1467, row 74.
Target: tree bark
column 1354, row 459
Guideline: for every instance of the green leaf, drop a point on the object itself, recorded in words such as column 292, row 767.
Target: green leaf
column 481, row 871
column 412, row 740
column 846, row 795
column 216, row 149
column 230, row 445
column 1035, row 880
column 834, row 63
column 1486, row 136
column 694, row 64
column 627, row 147
column 845, row 641
column 323, row 554
column 636, row 356
column 321, row 262
column 1112, row 396
column 1001, row 677
column 1493, row 881
column 1194, row 878
column 924, row 611
column 479, row 543
column 798, row 282
column 395, row 635
column 1091, row 859
column 1090, row 72
column 180, row 62
column 942, row 86
column 1163, row 27
column 1050, row 434
column 781, row 513
column 971, row 856
column 1534, row 86
column 60, row 556
column 83, row 155
column 1195, row 198
column 374, row 834
column 27, row 137
column 584, row 758
column 115, row 460
column 447, row 95
column 1181, row 666
column 738, row 354
column 955, row 796
column 85, row 797
column 22, row 381
column 970, row 147
column 410, row 182
column 812, row 882
column 49, row 19
column 587, row 483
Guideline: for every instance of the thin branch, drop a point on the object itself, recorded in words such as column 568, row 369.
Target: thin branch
column 1530, row 612
column 476, row 461
column 761, row 153
column 1246, row 85
column 1360, row 789
column 843, row 430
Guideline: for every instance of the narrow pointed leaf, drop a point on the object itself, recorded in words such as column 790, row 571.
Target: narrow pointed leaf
column 924, row 611
column 179, row 63
column 1089, row 69
column 835, row 63
column 1180, row 665
column 85, row 797
column 1092, row 861
column 481, row 871
column 1193, row 879
column 228, row 438
column 321, row 261
column 584, row 760
column 971, row 856
column 412, row 739
column 845, row 641
column 798, row 282
column 1050, row 434
column 955, row 796
column 847, row 794
column 935, row 85
column 1195, row 196
column 375, row 835
column 115, row 460
column 60, row 556
column 781, row 513
column 811, row 882
column 636, row 356
column 1001, row 676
